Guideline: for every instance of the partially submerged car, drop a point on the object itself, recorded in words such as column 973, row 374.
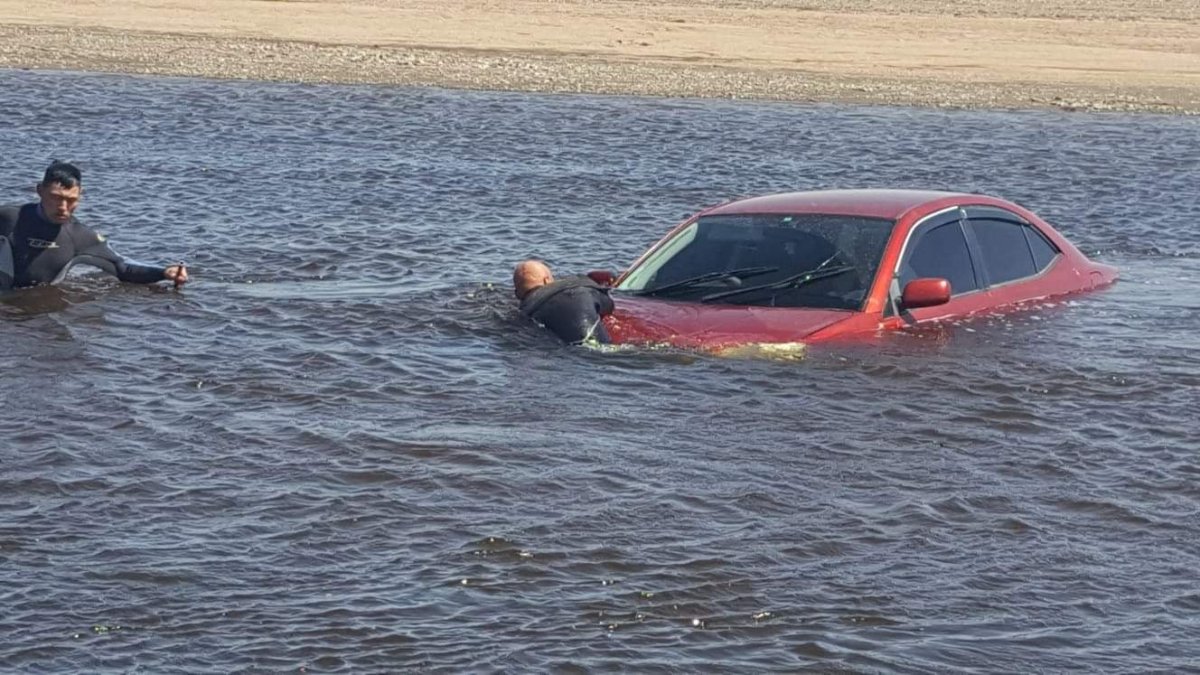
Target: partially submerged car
column 812, row 266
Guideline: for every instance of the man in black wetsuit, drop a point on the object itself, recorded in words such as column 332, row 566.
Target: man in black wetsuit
column 570, row 308
column 40, row 241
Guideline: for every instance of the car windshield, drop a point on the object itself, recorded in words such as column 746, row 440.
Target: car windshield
column 777, row 260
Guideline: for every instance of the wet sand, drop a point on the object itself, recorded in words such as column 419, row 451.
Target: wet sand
column 1089, row 55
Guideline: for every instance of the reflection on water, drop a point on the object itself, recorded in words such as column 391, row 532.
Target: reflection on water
column 340, row 449
column 42, row 300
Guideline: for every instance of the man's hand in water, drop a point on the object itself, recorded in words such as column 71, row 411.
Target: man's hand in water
column 177, row 274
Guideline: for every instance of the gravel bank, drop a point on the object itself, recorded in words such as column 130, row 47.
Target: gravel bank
column 1112, row 55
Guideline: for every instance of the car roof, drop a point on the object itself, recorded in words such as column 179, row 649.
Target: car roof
column 873, row 203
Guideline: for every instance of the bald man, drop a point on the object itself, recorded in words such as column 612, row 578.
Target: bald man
column 570, row 308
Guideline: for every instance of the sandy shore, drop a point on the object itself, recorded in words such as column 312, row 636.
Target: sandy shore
column 1080, row 54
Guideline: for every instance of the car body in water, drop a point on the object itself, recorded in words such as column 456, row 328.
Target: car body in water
column 814, row 266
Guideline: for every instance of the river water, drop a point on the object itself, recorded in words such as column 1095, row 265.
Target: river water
column 340, row 450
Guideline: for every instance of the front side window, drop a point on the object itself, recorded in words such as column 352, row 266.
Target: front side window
column 778, row 260
column 941, row 251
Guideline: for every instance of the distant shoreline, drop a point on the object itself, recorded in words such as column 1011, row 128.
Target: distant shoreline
column 992, row 55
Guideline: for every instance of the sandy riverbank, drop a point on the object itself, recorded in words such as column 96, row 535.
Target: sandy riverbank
column 1083, row 54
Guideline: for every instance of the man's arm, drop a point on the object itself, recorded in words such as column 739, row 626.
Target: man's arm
column 7, row 270
column 8, row 220
column 604, row 303
column 93, row 249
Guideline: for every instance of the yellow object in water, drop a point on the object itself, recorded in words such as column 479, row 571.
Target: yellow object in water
column 772, row 351
column 768, row 351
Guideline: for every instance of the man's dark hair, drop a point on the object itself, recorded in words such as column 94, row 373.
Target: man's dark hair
column 62, row 173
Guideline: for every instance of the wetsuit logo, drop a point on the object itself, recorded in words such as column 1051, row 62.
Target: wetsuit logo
column 42, row 243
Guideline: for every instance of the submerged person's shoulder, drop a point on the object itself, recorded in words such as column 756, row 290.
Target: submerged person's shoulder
column 538, row 297
column 11, row 213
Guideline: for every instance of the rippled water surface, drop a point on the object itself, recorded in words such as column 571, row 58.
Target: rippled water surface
column 340, row 450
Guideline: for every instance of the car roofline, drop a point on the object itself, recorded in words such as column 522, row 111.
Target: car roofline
column 890, row 204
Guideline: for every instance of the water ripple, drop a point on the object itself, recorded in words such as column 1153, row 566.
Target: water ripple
column 342, row 450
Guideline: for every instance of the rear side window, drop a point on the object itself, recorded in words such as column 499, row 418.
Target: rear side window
column 1004, row 248
column 1043, row 251
column 942, row 252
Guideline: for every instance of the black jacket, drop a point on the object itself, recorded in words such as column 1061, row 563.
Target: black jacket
column 570, row 308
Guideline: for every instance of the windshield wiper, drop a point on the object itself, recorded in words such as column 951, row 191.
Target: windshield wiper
column 684, row 284
column 795, row 281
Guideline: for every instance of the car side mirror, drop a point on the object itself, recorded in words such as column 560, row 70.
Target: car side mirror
column 927, row 292
column 602, row 277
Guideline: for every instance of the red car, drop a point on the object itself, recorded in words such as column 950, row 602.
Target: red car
column 811, row 266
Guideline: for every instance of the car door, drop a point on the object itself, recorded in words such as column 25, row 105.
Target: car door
column 939, row 247
column 1013, row 254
